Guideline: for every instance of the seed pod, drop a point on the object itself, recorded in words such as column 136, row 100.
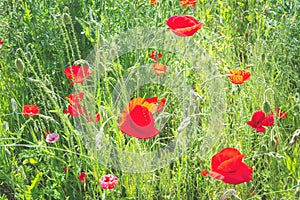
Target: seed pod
column 14, row 105
column 67, row 18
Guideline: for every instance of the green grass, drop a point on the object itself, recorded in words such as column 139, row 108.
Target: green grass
column 41, row 39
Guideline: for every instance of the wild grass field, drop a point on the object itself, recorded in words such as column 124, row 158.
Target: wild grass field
column 204, row 111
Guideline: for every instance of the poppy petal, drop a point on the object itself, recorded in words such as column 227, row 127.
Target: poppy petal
column 159, row 69
column 268, row 121
column 132, row 129
column 225, row 154
column 140, row 116
column 183, row 25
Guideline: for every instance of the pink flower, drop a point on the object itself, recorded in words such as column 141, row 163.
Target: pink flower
column 52, row 137
column 108, row 181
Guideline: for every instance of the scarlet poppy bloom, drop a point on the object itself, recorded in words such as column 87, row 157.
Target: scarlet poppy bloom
column 77, row 74
column 190, row 3
column 108, row 181
column 159, row 69
column 260, row 119
column 82, row 176
column 227, row 166
column 238, row 76
column 154, row 2
column 183, row 25
column 75, row 98
column 1, row 42
column 30, row 110
column 137, row 118
column 279, row 114
column 154, row 57
column 75, row 110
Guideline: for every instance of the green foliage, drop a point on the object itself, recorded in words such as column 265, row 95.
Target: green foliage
column 42, row 38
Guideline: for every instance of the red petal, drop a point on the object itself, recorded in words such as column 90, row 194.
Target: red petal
column 159, row 69
column 268, row 121
column 183, row 25
column 152, row 100
column 30, row 110
column 140, row 116
column 161, row 105
column 243, row 174
column 153, row 56
column 279, row 114
column 231, row 165
column 258, row 118
column 75, row 98
column 204, row 173
column 223, row 155
column 130, row 128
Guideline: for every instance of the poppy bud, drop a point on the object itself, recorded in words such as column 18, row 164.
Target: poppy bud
column 266, row 106
column 19, row 64
column 14, row 105
column 67, row 18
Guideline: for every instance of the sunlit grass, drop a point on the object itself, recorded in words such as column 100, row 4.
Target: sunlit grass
column 42, row 39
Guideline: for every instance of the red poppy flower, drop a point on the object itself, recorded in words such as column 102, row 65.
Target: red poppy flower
column 183, row 25
column 260, row 119
column 154, row 2
column 159, row 69
column 137, row 118
column 154, row 57
column 75, row 110
column 190, row 3
column 1, row 42
column 30, row 110
column 82, row 176
column 227, row 166
column 75, row 98
column 77, row 74
column 108, row 181
column 238, row 76
column 279, row 114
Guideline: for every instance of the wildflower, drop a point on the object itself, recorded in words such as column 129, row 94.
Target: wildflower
column 75, row 110
column 52, row 137
column 153, row 2
column 75, row 98
column 1, row 43
column 108, row 181
column 137, row 118
column 183, row 25
column 190, row 3
column 279, row 114
column 260, row 119
column 82, row 177
column 154, row 57
column 77, row 74
column 159, row 69
column 30, row 110
column 227, row 166
column 238, row 76
column 89, row 117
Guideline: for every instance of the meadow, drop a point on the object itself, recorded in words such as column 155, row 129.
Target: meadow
column 132, row 53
